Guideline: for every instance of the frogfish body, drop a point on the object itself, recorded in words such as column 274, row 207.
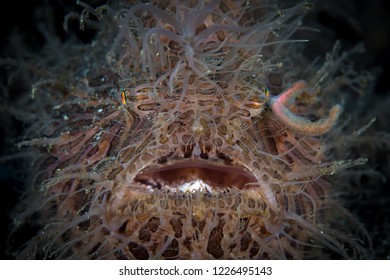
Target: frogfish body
column 188, row 130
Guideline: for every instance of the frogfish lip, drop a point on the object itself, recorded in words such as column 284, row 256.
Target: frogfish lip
column 191, row 175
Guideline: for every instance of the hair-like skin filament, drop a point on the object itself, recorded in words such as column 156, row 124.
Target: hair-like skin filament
column 297, row 123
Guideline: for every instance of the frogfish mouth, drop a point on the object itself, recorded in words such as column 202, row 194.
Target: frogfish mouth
column 187, row 130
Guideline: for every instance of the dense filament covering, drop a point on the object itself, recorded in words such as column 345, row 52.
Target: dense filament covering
column 171, row 141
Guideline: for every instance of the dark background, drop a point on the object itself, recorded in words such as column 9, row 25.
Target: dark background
column 350, row 21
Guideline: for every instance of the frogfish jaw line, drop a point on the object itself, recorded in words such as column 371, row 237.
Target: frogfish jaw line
column 195, row 174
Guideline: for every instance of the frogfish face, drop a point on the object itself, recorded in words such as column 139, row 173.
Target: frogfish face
column 188, row 130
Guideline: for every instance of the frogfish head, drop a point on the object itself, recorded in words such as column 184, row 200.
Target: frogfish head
column 190, row 130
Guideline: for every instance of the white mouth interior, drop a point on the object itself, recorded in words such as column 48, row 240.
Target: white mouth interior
column 195, row 175
column 194, row 186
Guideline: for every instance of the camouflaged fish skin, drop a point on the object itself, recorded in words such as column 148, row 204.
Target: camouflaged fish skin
column 189, row 130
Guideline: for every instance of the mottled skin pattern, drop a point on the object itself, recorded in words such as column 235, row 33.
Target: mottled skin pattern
column 167, row 94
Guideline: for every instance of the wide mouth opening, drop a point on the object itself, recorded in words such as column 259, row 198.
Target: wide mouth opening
column 195, row 175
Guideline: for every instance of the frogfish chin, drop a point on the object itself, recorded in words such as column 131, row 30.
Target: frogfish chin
column 189, row 130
